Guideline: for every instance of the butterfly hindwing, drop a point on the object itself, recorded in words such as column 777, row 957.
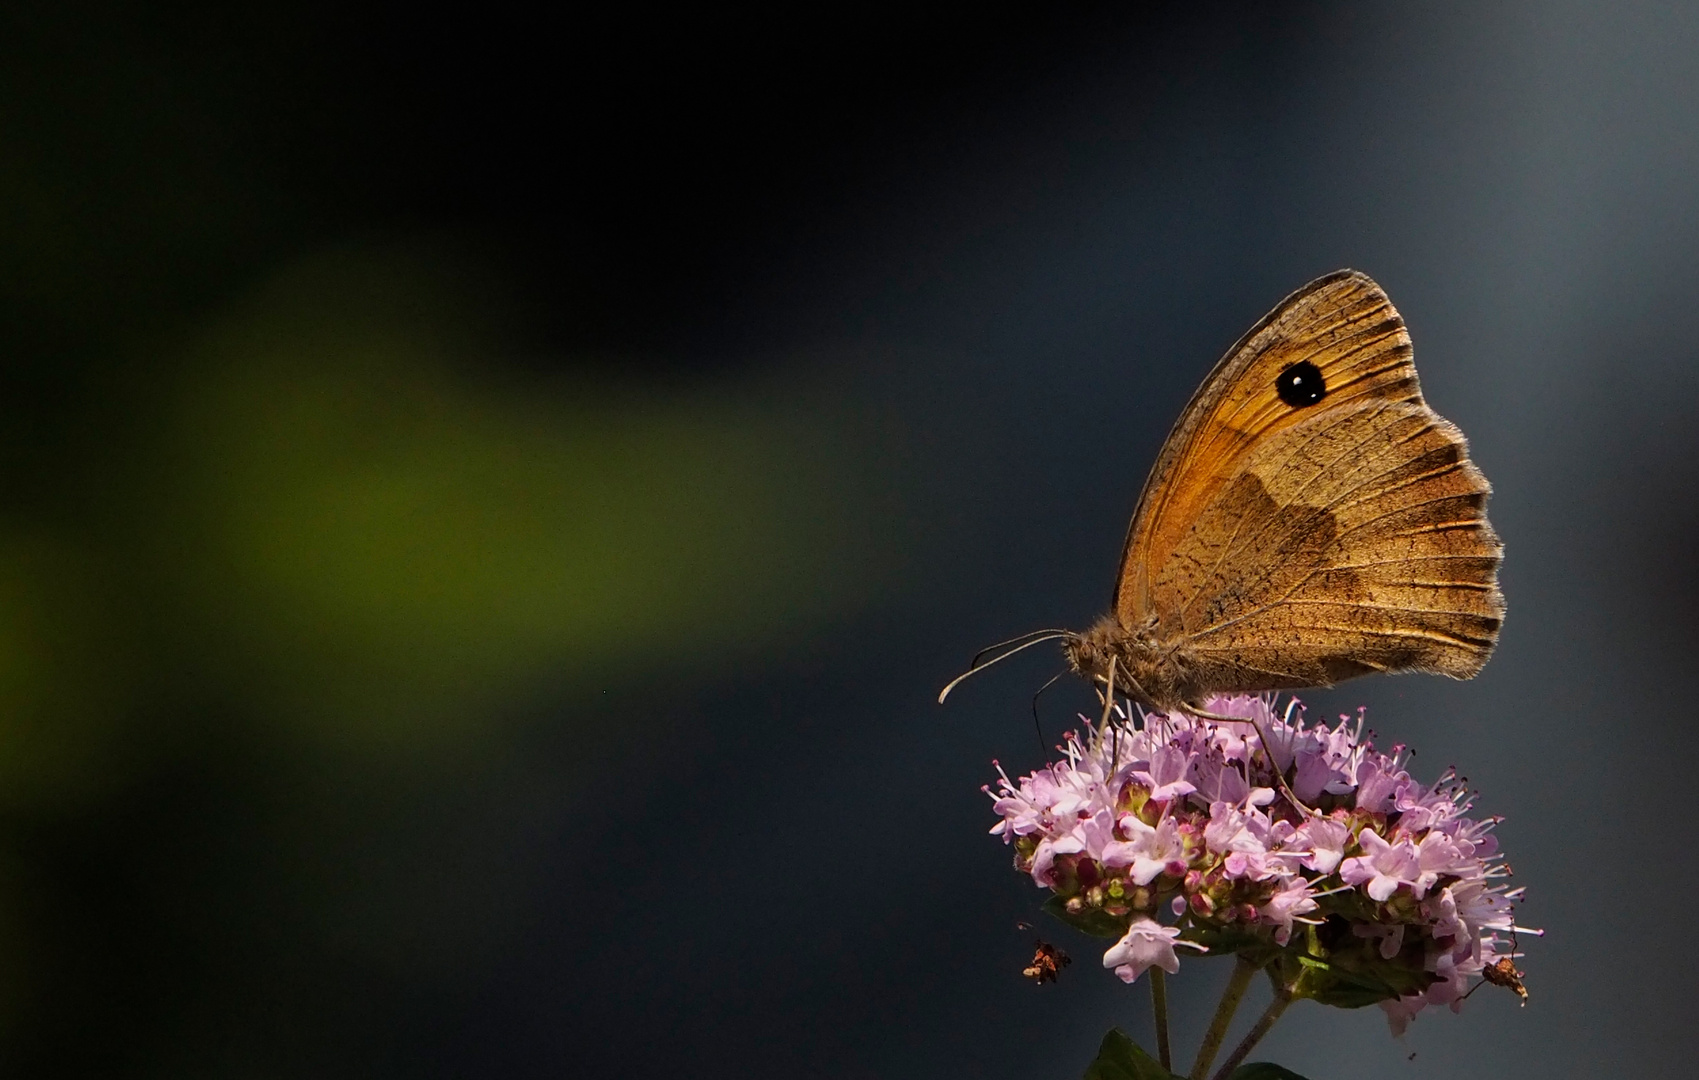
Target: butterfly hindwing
column 1373, row 555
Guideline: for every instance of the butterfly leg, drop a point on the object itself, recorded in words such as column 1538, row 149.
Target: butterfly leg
column 1267, row 748
column 1108, row 698
column 1036, row 726
column 1103, row 728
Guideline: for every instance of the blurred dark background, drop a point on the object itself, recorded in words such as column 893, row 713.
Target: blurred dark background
column 487, row 499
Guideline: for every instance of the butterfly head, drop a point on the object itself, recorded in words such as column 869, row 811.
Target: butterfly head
column 1138, row 665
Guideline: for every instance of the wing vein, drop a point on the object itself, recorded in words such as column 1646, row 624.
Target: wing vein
column 1230, row 548
column 1268, row 570
column 1421, row 634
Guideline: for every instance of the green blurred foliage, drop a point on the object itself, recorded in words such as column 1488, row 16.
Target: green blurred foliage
column 327, row 512
column 306, row 525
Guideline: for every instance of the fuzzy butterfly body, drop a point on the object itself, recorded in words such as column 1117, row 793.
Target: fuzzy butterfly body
column 1309, row 519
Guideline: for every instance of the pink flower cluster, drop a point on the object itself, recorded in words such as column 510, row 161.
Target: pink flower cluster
column 1175, row 832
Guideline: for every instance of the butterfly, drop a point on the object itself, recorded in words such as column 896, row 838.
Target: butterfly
column 1309, row 519
column 1047, row 963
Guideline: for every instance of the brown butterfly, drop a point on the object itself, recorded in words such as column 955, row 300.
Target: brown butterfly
column 1309, row 519
column 1047, row 963
column 1502, row 972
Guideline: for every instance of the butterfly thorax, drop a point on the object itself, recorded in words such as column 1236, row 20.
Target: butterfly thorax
column 1146, row 668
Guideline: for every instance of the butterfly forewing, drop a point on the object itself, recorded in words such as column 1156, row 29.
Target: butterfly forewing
column 1344, row 327
column 1310, row 517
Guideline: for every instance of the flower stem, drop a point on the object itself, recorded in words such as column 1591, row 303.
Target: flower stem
column 1236, row 986
column 1282, row 998
column 1159, row 1006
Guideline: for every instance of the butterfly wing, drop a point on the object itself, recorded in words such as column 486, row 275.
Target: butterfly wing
column 1310, row 518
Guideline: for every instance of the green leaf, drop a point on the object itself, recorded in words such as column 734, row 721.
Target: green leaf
column 1093, row 921
column 1263, row 1070
column 1345, row 995
column 1119, row 1058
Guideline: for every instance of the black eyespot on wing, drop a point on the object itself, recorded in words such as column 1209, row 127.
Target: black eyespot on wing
column 1300, row 385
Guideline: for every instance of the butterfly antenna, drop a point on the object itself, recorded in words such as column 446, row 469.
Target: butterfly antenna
column 1036, row 726
column 1040, row 634
column 976, row 667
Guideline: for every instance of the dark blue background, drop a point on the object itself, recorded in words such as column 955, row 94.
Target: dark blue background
column 990, row 255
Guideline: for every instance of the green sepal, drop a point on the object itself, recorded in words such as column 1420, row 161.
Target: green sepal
column 1256, row 948
column 1093, row 921
column 1120, row 1058
column 1350, row 975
